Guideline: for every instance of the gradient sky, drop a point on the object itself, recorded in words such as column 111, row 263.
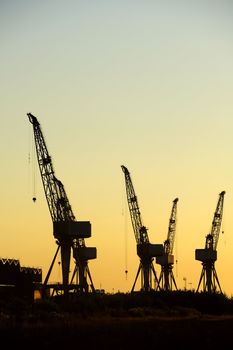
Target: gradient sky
column 147, row 84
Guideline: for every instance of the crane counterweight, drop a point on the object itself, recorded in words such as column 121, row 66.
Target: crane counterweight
column 73, row 229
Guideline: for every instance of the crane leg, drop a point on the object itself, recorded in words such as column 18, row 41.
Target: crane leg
column 139, row 269
column 173, row 279
column 73, row 275
column 155, row 276
column 50, row 269
column 202, row 276
column 158, row 283
column 216, row 277
column 65, row 262
column 89, row 275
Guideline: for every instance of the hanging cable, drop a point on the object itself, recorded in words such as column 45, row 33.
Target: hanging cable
column 124, row 214
column 31, row 165
column 223, row 229
column 176, row 250
column 29, row 159
column 33, row 172
column 126, row 244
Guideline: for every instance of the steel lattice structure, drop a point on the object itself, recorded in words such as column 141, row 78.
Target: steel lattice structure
column 145, row 250
column 166, row 278
column 208, row 255
column 68, row 232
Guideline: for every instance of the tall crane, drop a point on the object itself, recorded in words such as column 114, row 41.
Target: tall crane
column 145, row 250
column 68, row 232
column 166, row 278
column 208, row 255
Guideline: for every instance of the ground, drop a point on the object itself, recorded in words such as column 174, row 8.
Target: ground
column 119, row 322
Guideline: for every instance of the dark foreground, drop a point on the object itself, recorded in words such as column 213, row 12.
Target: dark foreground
column 183, row 321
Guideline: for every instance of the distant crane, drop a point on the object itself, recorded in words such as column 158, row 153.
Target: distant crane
column 166, row 278
column 145, row 250
column 208, row 255
column 68, row 232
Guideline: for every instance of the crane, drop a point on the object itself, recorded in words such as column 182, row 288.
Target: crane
column 145, row 250
column 208, row 255
column 68, row 232
column 167, row 259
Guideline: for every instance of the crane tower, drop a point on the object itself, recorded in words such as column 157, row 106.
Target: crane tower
column 145, row 250
column 166, row 278
column 208, row 255
column 68, row 232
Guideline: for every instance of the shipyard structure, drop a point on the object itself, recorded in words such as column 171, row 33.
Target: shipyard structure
column 19, row 281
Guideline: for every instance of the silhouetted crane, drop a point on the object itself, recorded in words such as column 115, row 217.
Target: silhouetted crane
column 145, row 250
column 166, row 278
column 68, row 232
column 208, row 255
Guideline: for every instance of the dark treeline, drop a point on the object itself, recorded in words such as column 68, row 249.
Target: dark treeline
column 118, row 321
column 167, row 303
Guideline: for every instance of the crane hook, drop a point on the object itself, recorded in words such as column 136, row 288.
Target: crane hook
column 34, row 199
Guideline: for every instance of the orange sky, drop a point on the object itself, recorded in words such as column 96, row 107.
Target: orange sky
column 144, row 84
